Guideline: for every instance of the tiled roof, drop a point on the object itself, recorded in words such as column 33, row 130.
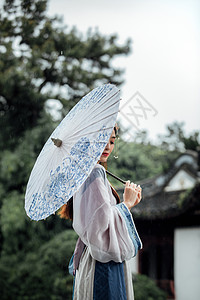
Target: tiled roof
column 157, row 203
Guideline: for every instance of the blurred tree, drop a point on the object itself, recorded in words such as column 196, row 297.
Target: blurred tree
column 140, row 158
column 19, row 234
column 41, row 60
column 176, row 139
column 16, row 164
column 146, row 288
column 41, row 274
column 138, row 161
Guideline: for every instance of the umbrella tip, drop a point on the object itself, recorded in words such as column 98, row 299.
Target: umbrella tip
column 57, row 142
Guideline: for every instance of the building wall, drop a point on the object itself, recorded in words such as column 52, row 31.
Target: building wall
column 187, row 263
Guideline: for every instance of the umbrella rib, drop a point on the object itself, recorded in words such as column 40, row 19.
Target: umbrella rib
column 87, row 174
column 111, row 96
column 106, row 102
column 49, row 163
column 79, row 165
column 94, row 119
column 76, row 133
column 109, row 106
column 87, row 154
column 95, row 132
column 48, row 166
column 92, row 111
column 38, row 178
column 69, row 155
column 106, row 108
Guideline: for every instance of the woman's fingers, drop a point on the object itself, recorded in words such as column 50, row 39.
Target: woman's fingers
column 132, row 194
column 132, row 185
column 127, row 183
column 139, row 196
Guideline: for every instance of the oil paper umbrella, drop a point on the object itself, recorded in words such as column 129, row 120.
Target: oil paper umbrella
column 71, row 152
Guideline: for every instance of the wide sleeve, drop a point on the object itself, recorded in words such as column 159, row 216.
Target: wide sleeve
column 107, row 230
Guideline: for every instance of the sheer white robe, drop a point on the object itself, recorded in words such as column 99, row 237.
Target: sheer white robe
column 105, row 229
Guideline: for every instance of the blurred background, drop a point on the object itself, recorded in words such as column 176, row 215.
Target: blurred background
column 51, row 54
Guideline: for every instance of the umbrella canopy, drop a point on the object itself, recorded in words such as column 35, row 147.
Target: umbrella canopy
column 71, row 152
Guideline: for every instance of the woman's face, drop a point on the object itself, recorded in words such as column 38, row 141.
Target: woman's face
column 109, row 148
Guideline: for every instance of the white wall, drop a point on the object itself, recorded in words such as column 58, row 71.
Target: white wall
column 181, row 181
column 187, row 263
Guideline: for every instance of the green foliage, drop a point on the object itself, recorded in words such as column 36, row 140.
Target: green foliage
column 176, row 140
column 146, row 289
column 16, row 165
column 40, row 59
column 12, row 222
column 139, row 161
column 183, row 197
column 19, row 234
column 42, row 274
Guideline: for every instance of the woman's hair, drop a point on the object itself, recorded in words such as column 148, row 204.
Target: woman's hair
column 116, row 128
column 66, row 211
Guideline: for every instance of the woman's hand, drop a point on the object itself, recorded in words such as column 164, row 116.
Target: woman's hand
column 132, row 194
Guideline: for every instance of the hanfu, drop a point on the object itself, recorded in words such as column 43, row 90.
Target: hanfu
column 108, row 239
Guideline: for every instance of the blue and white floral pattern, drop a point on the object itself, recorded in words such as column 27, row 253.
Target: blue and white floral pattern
column 46, row 194
column 130, row 226
column 94, row 96
column 68, row 176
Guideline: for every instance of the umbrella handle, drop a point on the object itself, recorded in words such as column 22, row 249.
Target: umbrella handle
column 114, row 176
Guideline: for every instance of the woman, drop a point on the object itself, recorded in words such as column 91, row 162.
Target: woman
column 107, row 236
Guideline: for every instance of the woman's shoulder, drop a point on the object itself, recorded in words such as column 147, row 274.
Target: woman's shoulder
column 97, row 171
column 99, row 167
